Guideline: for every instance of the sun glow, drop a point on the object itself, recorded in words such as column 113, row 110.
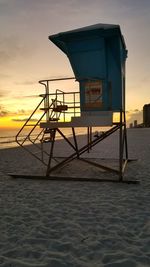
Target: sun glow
column 8, row 123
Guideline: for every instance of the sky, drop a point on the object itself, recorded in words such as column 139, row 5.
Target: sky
column 26, row 54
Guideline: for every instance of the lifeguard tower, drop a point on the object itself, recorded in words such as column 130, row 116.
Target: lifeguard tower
column 97, row 55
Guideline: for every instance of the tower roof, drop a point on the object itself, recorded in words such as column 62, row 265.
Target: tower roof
column 105, row 30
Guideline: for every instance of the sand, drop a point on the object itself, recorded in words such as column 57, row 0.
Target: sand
column 59, row 224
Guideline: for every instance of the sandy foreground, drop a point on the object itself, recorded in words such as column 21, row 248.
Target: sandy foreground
column 73, row 224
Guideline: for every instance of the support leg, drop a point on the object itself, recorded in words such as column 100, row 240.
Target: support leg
column 85, row 148
column 125, row 137
column 51, row 152
column 75, row 142
column 120, row 149
column 88, row 138
column 66, row 139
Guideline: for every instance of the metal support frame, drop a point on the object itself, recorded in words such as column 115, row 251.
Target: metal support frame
column 122, row 144
column 91, row 142
column 89, row 137
column 75, row 142
column 121, row 126
column 51, row 151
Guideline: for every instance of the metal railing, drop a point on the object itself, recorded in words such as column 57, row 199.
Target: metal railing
column 70, row 99
column 47, row 106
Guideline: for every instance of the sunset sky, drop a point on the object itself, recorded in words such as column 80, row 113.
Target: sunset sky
column 26, row 54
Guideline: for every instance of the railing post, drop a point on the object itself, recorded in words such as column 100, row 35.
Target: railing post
column 47, row 101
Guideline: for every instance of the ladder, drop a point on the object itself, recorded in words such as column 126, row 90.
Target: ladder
column 37, row 136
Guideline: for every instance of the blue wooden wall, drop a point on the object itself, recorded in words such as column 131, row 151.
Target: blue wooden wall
column 97, row 54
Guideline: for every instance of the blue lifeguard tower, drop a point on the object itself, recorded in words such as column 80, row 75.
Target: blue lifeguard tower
column 97, row 55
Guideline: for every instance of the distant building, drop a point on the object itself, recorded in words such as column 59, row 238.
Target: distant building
column 135, row 124
column 131, row 125
column 146, row 115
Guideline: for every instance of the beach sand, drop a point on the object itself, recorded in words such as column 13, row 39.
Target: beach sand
column 63, row 223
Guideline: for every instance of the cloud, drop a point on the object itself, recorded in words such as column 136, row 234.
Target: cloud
column 21, row 111
column 2, row 94
column 133, row 115
column 25, row 96
column 4, row 76
column 25, row 119
column 12, row 48
column 34, row 9
column 131, row 4
column 28, row 7
column 5, row 113
column 8, row 50
column 27, row 82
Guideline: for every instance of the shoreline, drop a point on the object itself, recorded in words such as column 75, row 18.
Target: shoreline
column 108, row 150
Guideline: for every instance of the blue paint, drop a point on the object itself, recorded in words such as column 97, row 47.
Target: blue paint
column 97, row 55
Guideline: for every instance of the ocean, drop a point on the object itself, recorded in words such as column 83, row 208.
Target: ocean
column 7, row 136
